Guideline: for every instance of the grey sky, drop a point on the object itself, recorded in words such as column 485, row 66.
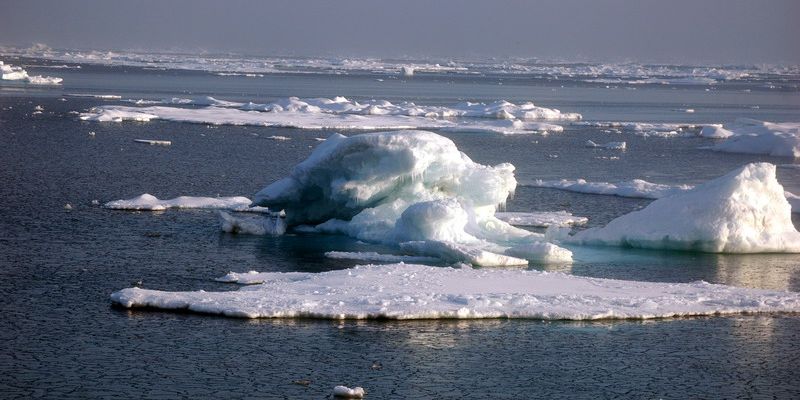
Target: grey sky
column 646, row 30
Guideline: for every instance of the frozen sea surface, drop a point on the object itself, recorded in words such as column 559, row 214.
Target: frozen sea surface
column 58, row 265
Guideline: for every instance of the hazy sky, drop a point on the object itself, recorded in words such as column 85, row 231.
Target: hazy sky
column 750, row 31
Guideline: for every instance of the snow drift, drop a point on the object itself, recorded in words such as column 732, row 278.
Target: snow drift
column 744, row 211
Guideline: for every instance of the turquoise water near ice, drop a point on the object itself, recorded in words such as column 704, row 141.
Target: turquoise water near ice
column 63, row 339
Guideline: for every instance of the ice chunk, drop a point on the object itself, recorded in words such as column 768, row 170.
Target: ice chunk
column 406, row 291
column 541, row 219
column 9, row 72
column 153, row 142
column 459, row 252
column 148, row 202
column 348, row 393
column 541, row 252
column 407, row 70
column 271, row 224
column 715, row 131
column 761, row 137
column 373, row 256
column 744, row 211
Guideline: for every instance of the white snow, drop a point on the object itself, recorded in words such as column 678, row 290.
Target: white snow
column 148, row 202
column 406, row 291
column 744, row 211
column 341, row 113
column 541, row 219
column 761, row 137
column 410, row 189
column 637, row 188
column 9, row 72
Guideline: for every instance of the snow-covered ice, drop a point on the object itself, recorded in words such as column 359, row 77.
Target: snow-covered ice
column 636, row 188
column 9, row 72
column 745, row 211
column 408, row 291
column 148, row 202
column 761, row 137
column 411, row 189
column 541, row 219
column 341, row 113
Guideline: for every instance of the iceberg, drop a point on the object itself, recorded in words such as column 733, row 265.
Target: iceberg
column 11, row 73
column 745, row 211
column 411, row 189
column 760, row 137
column 408, row 291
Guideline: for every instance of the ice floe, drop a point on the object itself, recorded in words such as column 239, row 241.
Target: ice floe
column 745, row 211
column 407, row 291
column 636, row 188
column 609, row 145
column 148, row 202
column 411, row 189
column 541, row 219
column 761, row 137
column 9, row 72
column 341, row 113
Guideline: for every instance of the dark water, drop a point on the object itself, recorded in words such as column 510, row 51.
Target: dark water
column 63, row 339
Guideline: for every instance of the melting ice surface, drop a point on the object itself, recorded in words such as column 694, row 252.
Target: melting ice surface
column 407, row 291
column 745, row 211
column 411, row 189
column 341, row 113
column 11, row 73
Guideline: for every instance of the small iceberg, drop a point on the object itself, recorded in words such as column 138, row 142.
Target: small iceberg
column 745, row 211
column 760, row 137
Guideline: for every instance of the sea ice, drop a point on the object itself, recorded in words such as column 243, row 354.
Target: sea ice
column 348, row 393
column 407, row 291
column 9, row 72
column 744, row 211
column 609, row 145
column 761, row 137
column 411, row 189
column 148, row 202
column 637, row 188
column 541, row 219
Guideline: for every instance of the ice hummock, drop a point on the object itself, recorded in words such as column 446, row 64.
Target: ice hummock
column 407, row 291
column 410, row 189
column 745, row 211
column 760, row 137
column 9, row 72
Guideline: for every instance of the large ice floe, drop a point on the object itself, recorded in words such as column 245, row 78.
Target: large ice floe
column 342, row 113
column 760, row 137
column 411, row 189
column 745, row 211
column 408, row 291
column 12, row 73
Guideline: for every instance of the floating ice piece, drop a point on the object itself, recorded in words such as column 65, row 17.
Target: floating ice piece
column 148, row 202
column 154, row 142
column 744, row 211
column 407, row 70
column 541, row 252
column 406, row 291
column 609, row 145
column 405, row 186
column 95, row 96
column 715, row 131
column 345, row 392
column 636, row 188
column 281, row 138
column 541, row 219
column 376, row 257
column 665, row 130
column 761, row 137
column 471, row 254
column 9, row 72
column 272, row 224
